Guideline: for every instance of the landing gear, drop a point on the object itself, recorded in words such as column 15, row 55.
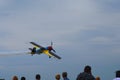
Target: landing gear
column 49, row 56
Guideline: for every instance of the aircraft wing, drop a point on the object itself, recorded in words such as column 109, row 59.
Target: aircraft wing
column 58, row 57
column 33, row 43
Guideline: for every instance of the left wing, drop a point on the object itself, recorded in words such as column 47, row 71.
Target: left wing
column 33, row 43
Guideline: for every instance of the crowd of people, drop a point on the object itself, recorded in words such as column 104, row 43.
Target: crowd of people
column 37, row 77
column 85, row 75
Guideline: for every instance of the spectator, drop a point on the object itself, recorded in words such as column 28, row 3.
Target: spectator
column 117, row 75
column 98, row 78
column 23, row 78
column 86, row 75
column 64, row 75
column 38, row 77
column 15, row 78
column 57, row 76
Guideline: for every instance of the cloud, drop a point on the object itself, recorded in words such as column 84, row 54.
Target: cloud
column 53, row 20
column 5, row 4
column 86, row 28
column 101, row 40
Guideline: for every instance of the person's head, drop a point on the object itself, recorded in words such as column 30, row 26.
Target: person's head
column 57, row 76
column 87, row 69
column 64, row 74
column 38, row 77
column 23, row 78
column 98, row 78
column 15, row 78
column 118, row 73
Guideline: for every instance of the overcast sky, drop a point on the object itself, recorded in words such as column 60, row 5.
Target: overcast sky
column 84, row 32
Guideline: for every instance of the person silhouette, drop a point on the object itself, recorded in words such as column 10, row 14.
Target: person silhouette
column 23, row 78
column 86, row 75
column 97, row 78
column 15, row 78
column 57, row 76
column 64, row 75
column 117, row 75
column 38, row 77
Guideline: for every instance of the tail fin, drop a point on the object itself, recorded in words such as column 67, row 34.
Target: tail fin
column 33, row 50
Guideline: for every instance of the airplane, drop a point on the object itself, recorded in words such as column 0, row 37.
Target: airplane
column 38, row 49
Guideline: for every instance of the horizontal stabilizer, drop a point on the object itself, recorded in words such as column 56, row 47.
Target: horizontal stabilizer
column 30, row 49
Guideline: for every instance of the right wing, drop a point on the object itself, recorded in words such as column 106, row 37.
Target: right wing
column 50, row 54
column 53, row 54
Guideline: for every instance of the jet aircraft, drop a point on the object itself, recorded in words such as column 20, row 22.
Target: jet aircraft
column 38, row 49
